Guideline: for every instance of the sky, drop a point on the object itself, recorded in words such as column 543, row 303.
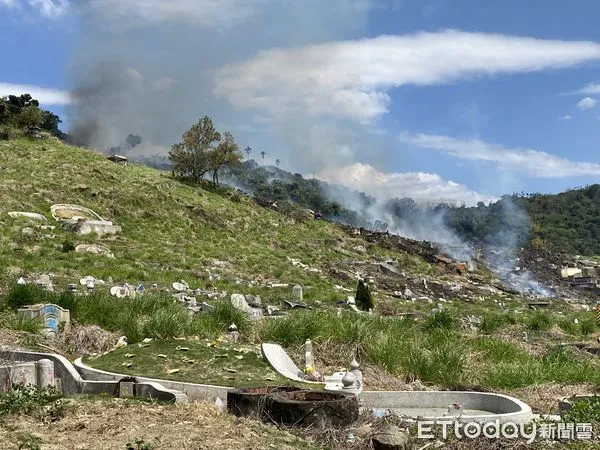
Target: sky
column 456, row 100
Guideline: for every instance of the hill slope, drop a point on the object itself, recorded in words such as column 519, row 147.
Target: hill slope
column 171, row 231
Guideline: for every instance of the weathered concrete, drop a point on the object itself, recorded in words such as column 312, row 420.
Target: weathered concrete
column 83, row 227
column 27, row 215
column 73, row 213
column 71, row 382
column 193, row 391
column 52, row 317
column 19, row 373
column 432, row 405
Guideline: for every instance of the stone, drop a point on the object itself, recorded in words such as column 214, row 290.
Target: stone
column 390, row 438
column 120, row 291
column 84, row 227
column 297, row 292
column 21, row 281
column 27, row 215
column 179, row 287
column 95, row 249
column 51, row 316
column 254, row 300
column 45, row 373
column 239, row 301
column 126, row 389
column 28, row 231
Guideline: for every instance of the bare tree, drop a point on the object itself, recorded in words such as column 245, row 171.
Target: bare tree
column 248, row 150
column 263, row 153
column 277, row 162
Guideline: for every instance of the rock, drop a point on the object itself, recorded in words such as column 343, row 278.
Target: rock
column 254, row 300
column 297, row 292
column 28, row 231
column 359, row 248
column 27, row 215
column 390, row 438
column 362, row 431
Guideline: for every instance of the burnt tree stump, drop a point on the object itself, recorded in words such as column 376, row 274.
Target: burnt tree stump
column 251, row 401
column 311, row 408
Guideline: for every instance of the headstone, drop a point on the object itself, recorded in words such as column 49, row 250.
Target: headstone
column 85, row 280
column 239, row 301
column 297, row 292
column 126, row 389
column 51, row 316
column 45, row 373
column 21, row 281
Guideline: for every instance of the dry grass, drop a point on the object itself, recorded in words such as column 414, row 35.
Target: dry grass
column 111, row 423
column 85, row 340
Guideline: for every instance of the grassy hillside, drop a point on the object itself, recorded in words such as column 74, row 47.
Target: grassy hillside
column 171, row 231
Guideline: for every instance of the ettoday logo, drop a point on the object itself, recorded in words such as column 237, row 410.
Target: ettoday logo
column 508, row 430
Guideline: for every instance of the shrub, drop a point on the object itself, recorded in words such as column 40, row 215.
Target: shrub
column 20, row 295
column 494, row 321
column 25, row 324
column 587, row 326
column 68, row 246
column 364, row 299
column 42, row 403
column 441, row 319
column 540, row 321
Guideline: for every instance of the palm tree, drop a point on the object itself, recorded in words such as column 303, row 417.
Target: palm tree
column 277, row 162
column 263, row 153
column 248, row 150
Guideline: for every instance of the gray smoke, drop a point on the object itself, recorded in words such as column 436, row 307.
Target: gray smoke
column 148, row 69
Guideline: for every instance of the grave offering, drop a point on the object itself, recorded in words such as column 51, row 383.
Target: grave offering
column 95, row 249
column 51, row 316
column 27, row 215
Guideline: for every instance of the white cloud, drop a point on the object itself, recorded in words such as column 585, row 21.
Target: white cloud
column 590, row 89
column 51, row 9
column 417, row 185
column 531, row 162
column 45, row 96
column 351, row 79
column 566, row 117
column 587, row 103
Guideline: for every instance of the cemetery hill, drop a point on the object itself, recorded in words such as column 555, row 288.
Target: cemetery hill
column 174, row 275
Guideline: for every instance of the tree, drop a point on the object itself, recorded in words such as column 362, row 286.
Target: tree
column 30, row 116
column 364, row 299
column 191, row 158
column 226, row 153
column 263, row 153
column 248, row 151
column 277, row 162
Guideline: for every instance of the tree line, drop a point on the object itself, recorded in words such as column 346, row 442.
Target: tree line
column 23, row 111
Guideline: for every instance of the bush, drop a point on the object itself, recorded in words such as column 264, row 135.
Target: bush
column 440, row 320
column 540, row 321
column 25, row 324
column 494, row 321
column 364, row 299
column 588, row 326
column 20, row 295
column 43, row 403
column 68, row 246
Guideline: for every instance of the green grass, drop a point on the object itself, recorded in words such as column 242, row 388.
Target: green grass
column 170, row 230
column 206, row 362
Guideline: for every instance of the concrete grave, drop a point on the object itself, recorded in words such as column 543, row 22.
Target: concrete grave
column 83, row 227
column 96, row 249
column 51, row 316
column 73, row 213
column 27, row 215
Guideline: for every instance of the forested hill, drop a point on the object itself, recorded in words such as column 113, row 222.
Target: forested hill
column 569, row 221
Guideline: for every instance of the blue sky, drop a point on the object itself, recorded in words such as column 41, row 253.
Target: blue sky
column 461, row 100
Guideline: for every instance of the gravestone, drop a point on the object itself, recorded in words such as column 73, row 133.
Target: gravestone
column 239, row 301
column 297, row 292
column 51, row 316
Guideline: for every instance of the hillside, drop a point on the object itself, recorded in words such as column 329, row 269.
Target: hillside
column 171, row 231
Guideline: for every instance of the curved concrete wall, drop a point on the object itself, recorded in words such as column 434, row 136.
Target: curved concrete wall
column 73, row 383
column 194, row 392
column 500, row 407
